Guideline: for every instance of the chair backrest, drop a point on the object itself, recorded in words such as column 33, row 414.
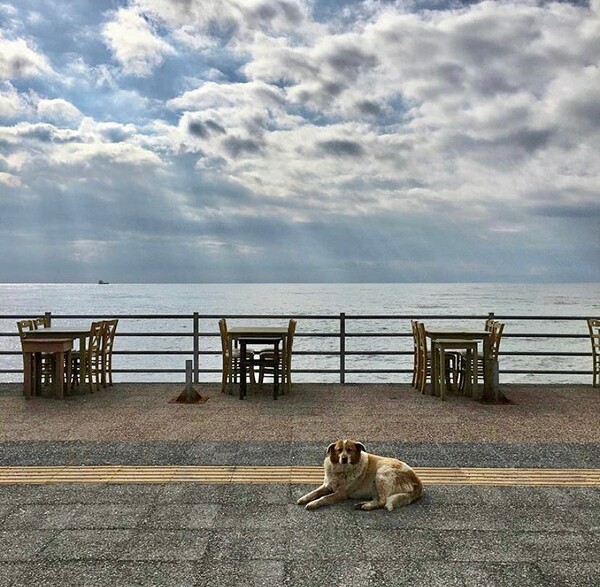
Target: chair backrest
column 110, row 328
column 496, row 336
column 96, row 337
column 25, row 326
column 225, row 342
column 489, row 324
column 594, row 328
column 415, row 333
column 41, row 322
column 421, row 339
column 289, row 341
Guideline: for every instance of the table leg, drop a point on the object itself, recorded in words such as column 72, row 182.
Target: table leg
column 59, row 376
column 434, row 368
column 82, row 361
column 276, row 371
column 242, row 372
column 28, row 374
column 475, row 390
column 441, row 371
column 488, row 392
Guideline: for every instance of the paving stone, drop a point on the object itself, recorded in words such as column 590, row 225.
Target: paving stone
column 167, row 545
column 87, row 545
column 23, row 545
column 39, row 516
column 108, row 574
column 573, row 574
column 402, row 544
column 107, row 515
column 248, row 544
column 175, row 516
column 10, row 573
column 507, row 546
column 503, row 575
column 342, row 571
column 448, row 574
column 249, row 573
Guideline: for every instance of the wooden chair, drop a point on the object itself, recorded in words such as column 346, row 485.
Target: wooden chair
column 266, row 363
column 416, row 355
column 594, row 328
column 24, row 326
column 93, row 357
column 495, row 328
column 46, row 361
column 231, row 358
column 423, row 361
column 108, row 340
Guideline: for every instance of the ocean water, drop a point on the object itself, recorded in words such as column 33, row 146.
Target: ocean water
column 505, row 300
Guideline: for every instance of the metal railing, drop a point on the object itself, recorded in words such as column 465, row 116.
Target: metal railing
column 327, row 345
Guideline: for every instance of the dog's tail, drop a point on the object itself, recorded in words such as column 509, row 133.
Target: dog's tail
column 413, row 490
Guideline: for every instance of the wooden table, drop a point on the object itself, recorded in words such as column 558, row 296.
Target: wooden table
column 490, row 392
column 269, row 335
column 71, row 332
column 61, row 348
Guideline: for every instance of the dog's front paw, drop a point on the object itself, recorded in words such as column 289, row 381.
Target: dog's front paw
column 313, row 505
column 302, row 501
column 366, row 506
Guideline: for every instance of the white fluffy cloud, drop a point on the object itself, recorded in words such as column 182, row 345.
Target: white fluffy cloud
column 18, row 59
column 134, row 43
column 12, row 103
column 59, row 111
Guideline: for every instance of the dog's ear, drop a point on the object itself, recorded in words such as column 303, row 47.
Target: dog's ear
column 361, row 447
column 330, row 448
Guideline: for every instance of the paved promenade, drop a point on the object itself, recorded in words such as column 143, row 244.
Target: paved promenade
column 245, row 529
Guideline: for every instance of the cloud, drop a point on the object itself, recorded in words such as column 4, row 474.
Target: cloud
column 12, row 104
column 230, row 17
column 59, row 111
column 315, row 140
column 9, row 180
column 134, row 43
column 18, row 59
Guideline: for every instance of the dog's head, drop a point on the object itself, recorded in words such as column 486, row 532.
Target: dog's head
column 345, row 452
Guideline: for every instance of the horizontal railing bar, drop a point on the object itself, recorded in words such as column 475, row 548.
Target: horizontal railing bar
column 333, row 353
column 327, row 335
column 300, row 316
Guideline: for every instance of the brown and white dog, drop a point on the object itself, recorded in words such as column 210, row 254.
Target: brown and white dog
column 351, row 472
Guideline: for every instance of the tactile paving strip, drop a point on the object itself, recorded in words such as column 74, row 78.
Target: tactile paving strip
column 289, row 475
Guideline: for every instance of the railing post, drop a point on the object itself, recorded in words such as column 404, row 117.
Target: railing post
column 196, row 346
column 342, row 347
column 48, row 317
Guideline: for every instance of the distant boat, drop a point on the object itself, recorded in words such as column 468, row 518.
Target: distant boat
column 100, row 282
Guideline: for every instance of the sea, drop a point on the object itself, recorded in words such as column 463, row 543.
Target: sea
column 441, row 305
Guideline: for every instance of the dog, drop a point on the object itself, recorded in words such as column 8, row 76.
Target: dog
column 351, row 472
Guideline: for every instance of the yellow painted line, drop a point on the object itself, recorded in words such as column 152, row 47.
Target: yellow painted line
column 214, row 474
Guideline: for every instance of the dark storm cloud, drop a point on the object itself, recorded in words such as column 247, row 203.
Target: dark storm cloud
column 237, row 146
column 350, row 60
column 368, row 107
column 341, row 148
column 204, row 129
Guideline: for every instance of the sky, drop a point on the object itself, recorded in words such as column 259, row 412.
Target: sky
column 224, row 141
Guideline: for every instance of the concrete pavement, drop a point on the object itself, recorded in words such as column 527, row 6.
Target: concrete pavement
column 251, row 534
